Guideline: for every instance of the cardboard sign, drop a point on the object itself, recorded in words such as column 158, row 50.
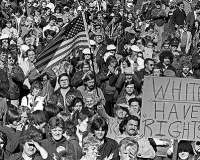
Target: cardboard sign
column 171, row 108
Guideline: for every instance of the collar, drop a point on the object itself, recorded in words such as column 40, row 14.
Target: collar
column 25, row 157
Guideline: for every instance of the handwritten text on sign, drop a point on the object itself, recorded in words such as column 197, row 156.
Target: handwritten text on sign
column 171, row 108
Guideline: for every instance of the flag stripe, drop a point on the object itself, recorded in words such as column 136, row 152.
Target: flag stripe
column 59, row 57
column 59, row 45
column 67, row 48
column 63, row 48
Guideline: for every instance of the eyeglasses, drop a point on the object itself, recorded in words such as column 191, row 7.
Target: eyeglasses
column 64, row 80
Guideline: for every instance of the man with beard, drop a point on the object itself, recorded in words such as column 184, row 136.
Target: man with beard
column 129, row 127
column 89, row 88
column 64, row 95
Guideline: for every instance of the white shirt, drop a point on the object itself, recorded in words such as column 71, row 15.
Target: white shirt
column 30, row 99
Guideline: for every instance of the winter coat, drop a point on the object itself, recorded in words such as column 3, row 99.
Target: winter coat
column 16, row 80
column 51, row 146
column 4, row 84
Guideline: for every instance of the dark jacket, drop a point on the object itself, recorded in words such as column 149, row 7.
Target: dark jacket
column 18, row 156
column 16, row 78
column 12, row 140
column 77, row 148
column 4, row 84
column 51, row 147
column 109, row 146
column 179, row 17
column 58, row 99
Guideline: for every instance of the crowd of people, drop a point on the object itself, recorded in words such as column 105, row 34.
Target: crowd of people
column 88, row 107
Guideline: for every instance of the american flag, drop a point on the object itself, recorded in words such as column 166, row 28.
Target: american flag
column 71, row 36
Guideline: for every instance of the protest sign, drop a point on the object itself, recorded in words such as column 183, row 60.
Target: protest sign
column 171, row 108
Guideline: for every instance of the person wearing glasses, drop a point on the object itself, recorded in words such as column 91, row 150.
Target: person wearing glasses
column 147, row 70
column 65, row 94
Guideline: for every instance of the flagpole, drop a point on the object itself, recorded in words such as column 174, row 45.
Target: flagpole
column 92, row 58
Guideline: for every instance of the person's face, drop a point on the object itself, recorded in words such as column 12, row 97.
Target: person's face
column 37, row 13
column 92, row 151
column 125, row 152
column 29, row 149
column 36, row 91
column 49, row 37
column 166, row 61
column 44, row 4
column 98, row 39
column 124, row 64
column 52, row 22
column 28, row 41
column 5, row 43
column 98, row 29
column 174, row 48
column 113, row 64
column 183, row 155
column 134, row 108
column 57, row 133
column 130, row 16
column 197, row 147
column 166, row 47
column 78, row 106
column 99, row 134
column 48, row 12
column 17, row 14
column 90, row 84
column 60, row 24
column 11, row 60
column 87, row 56
column 113, row 52
column 1, row 143
column 150, row 45
column 99, row 17
column 132, row 128
column 64, row 82
column 181, row 6
column 31, row 56
column 150, row 65
column 89, row 101
column 83, row 125
column 86, row 67
column 186, row 69
column 9, row 25
column 158, row 6
column 128, row 77
column 3, row 56
column 139, row 43
column 120, row 113
column 156, row 72
column 129, row 89
column 29, row 4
